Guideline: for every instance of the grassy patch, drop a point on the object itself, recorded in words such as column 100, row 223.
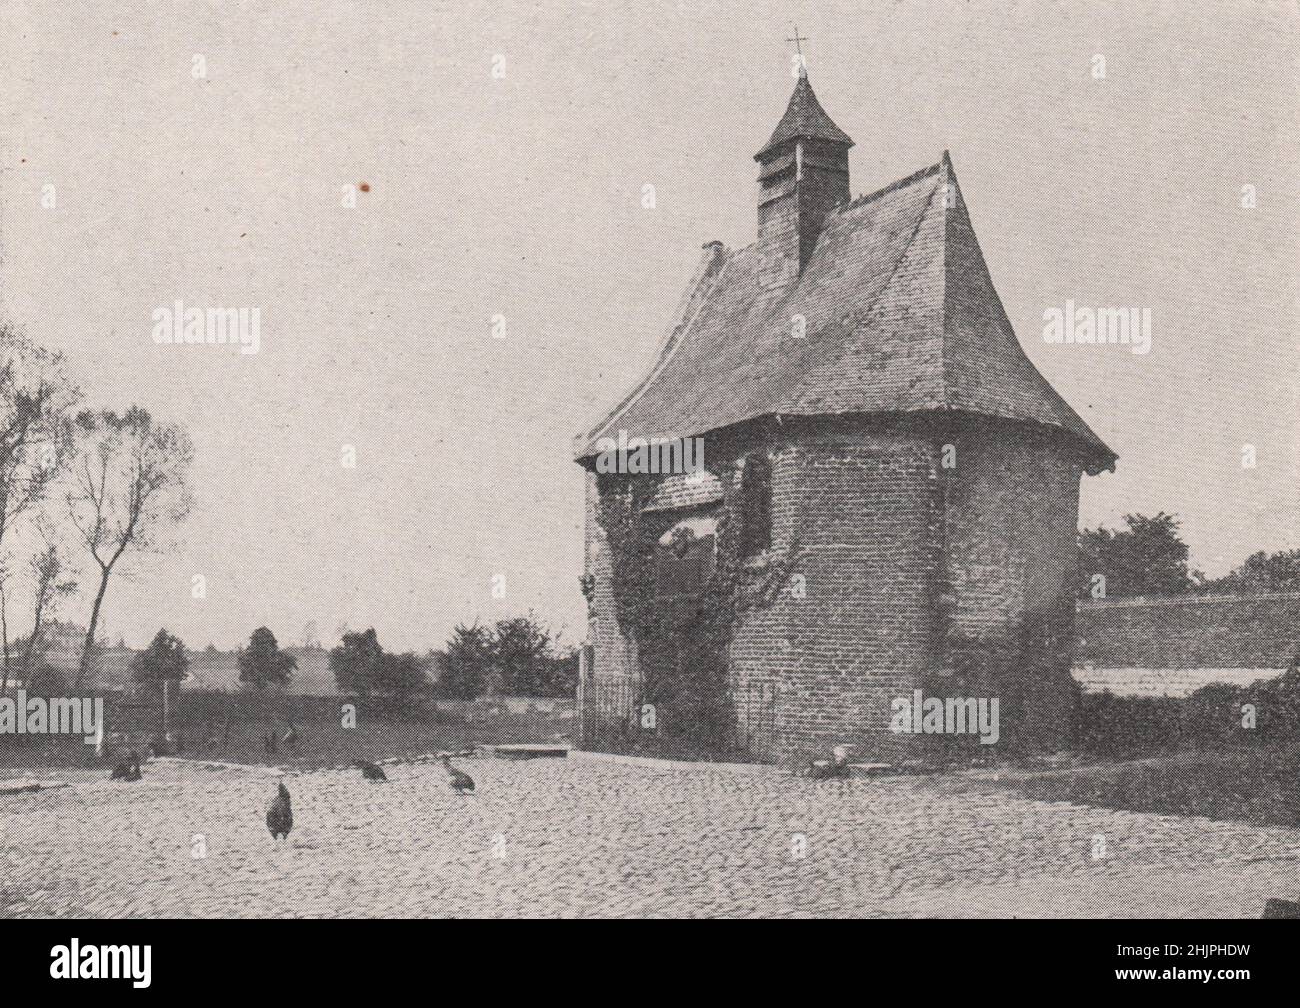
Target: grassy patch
column 234, row 730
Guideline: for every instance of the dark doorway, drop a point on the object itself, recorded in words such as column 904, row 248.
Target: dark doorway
column 685, row 677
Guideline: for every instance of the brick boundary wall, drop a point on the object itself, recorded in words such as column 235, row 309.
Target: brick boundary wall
column 1206, row 631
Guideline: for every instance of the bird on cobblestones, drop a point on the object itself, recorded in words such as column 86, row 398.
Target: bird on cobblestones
column 291, row 738
column 279, row 815
column 460, row 781
column 370, row 771
column 128, row 769
column 830, row 769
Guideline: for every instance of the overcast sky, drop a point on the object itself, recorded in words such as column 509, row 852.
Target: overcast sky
column 522, row 195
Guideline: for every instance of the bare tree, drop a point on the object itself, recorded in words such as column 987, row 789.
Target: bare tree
column 129, row 481
column 4, row 621
column 36, row 404
column 48, row 570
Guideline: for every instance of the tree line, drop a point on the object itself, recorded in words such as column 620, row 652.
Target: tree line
column 1148, row 557
column 514, row 657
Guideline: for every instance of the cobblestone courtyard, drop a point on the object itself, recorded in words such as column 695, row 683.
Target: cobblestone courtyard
column 586, row 837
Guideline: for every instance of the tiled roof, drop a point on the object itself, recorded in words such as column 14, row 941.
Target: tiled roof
column 900, row 316
column 804, row 117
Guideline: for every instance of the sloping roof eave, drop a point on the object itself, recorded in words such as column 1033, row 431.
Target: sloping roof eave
column 880, row 328
column 1097, row 456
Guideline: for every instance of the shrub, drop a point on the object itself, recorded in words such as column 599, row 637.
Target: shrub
column 1212, row 717
column 1124, row 727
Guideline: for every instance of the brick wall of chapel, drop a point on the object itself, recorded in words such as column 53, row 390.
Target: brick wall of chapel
column 615, row 656
column 856, row 515
column 902, row 560
column 1012, row 506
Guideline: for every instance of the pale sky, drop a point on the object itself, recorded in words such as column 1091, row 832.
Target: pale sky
column 521, row 195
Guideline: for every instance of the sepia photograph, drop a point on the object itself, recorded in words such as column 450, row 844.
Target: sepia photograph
column 662, row 460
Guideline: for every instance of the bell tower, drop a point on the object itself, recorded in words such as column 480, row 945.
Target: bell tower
column 803, row 174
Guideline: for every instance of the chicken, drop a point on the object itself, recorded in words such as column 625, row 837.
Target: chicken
column 279, row 815
column 291, row 738
column 461, row 782
column 128, row 769
column 838, row 767
column 371, row 771
column 270, row 744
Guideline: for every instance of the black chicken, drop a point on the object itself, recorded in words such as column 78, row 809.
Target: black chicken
column 128, row 769
column 268, row 741
column 371, row 771
column 461, row 782
column 279, row 815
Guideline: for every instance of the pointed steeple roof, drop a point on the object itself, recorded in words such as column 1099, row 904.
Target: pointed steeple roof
column 901, row 317
column 804, row 117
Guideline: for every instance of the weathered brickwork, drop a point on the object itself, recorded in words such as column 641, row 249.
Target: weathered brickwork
column 1011, row 505
column 890, row 563
column 616, row 662
column 850, row 626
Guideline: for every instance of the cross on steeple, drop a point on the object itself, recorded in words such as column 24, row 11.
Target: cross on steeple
column 798, row 41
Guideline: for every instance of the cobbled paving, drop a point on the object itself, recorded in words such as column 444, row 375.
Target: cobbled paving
column 579, row 837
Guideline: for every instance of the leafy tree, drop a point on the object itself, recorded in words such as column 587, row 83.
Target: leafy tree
column 1260, row 573
column 529, row 661
column 263, row 664
column 361, row 666
column 468, row 667
column 521, row 653
column 129, row 478
column 161, row 664
column 1148, row 557
column 355, row 662
column 518, row 656
column 402, row 674
column 564, row 674
column 163, row 660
